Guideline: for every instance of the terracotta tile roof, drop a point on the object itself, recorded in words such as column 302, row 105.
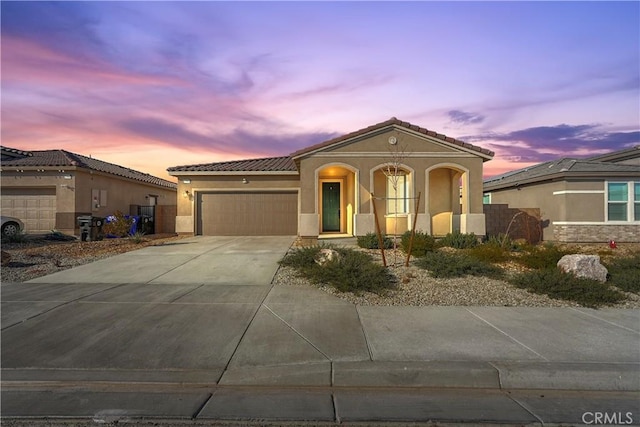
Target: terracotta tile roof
column 393, row 122
column 270, row 164
column 62, row 158
column 559, row 168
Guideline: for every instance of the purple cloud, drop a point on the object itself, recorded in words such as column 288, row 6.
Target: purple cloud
column 465, row 118
column 543, row 143
column 238, row 141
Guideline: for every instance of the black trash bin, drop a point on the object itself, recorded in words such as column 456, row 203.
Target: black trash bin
column 96, row 227
column 90, row 227
column 84, row 222
column 146, row 224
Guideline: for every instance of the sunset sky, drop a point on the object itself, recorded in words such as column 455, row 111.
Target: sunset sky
column 150, row 85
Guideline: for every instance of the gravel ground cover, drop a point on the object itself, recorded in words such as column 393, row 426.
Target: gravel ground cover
column 415, row 287
column 37, row 256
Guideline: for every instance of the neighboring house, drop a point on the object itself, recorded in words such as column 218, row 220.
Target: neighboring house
column 580, row 200
column 328, row 189
column 49, row 189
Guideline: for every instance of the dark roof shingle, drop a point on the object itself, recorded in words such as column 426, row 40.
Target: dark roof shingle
column 269, row 164
column 555, row 168
column 62, row 158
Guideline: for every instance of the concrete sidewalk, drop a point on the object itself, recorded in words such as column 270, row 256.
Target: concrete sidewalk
column 195, row 330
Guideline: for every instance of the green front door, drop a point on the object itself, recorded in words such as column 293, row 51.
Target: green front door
column 331, row 206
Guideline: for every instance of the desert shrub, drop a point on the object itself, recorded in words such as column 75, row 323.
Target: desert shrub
column 459, row 240
column 370, row 241
column 441, row 264
column 118, row 225
column 354, row 271
column 137, row 237
column 422, row 243
column 542, row 257
column 489, row 253
column 565, row 286
column 624, row 273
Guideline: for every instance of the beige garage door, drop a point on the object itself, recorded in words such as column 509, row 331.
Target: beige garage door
column 36, row 207
column 248, row 214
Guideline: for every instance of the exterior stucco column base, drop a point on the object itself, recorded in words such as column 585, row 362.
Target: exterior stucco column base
column 308, row 225
column 423, row 223
column 364, row 223
column 473, row 223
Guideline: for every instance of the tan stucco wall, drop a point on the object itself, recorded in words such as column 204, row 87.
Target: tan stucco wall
column 73, row 196
column 565, row 206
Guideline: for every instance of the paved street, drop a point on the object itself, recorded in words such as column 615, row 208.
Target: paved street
column 195, row 330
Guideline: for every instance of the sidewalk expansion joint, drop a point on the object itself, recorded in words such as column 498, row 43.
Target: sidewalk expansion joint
column 508, row 336
column 63, row 303
column 297, row 332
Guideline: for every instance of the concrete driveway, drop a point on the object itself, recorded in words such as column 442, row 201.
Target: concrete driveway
column 194, row 329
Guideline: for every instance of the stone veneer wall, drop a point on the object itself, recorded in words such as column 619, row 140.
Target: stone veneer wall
column 597, row 233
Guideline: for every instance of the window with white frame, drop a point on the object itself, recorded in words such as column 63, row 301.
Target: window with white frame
column 397, row 191
column 623, row 201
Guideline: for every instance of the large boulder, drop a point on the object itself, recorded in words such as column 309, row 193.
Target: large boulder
column 585, row 266
column 326, row 255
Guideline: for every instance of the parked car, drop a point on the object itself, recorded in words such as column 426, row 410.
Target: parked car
column 11, row 226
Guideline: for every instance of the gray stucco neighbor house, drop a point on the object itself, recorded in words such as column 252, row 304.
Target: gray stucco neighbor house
column 580, row 200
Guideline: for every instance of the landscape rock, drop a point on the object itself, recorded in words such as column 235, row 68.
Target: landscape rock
column 584, row 266
column 6, row 258
column 326, row 255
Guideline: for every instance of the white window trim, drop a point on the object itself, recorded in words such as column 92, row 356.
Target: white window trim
column 631, row 202
column 404, row 209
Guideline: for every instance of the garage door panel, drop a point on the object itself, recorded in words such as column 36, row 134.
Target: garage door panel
column 248, row 213
column 37, row 211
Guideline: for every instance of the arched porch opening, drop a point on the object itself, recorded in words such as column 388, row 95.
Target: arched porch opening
column 336, row 190
column 448, row 190
column 394, row 198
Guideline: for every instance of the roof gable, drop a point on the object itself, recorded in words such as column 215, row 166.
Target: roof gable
column 393, row 123
column 63, row 158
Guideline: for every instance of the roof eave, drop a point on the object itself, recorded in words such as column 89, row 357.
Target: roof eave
column 233, row 173
column 486, row 156
column 555, row 176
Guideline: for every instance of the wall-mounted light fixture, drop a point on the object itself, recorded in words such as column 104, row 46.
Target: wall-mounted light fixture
column 244, row 181
column 186, row 194
column 186, row 181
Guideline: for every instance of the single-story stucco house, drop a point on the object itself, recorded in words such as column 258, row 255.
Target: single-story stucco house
column 580, row 200
column 329, row 189
column 49, row 189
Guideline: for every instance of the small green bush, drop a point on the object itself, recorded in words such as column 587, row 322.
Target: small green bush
column 541, row 257
column 624, row 273
column 355, row 271
column 370, row 241
column 489, row 253
column 138, row 237
column 441, row 264
column 422, row 243
column 459, row 240
column 565, row 286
